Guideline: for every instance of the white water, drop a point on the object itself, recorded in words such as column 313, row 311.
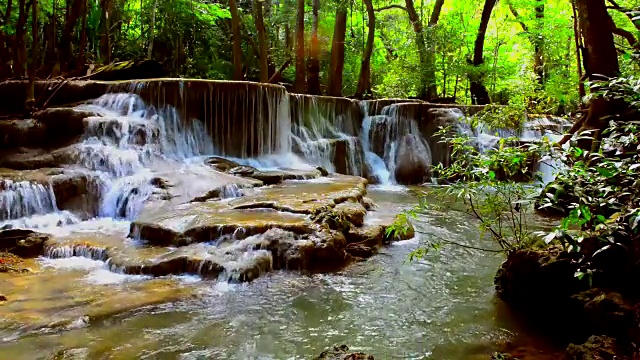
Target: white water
column 389, row 130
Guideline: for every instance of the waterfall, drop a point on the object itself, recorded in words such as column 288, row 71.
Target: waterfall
column 23, row 198
column 324, row 132
column 393, row 139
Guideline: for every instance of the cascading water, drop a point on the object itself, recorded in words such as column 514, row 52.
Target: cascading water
column 390, row 138
column 324, row 133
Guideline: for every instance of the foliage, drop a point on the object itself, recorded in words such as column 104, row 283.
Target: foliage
column 489, row 185
column 192, row 38
column 600, row 190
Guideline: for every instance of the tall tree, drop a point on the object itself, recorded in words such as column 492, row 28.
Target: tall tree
column 75, row 8
column 300, row 84
column 20, row 55
column 337, row 50
column 105, row 31
column 152, row 28
column 432, row 90
column 535, row 37
column 5, row 44
column 422, row 48
column 364, row 81
column 263, row 44
column 479, row 93
column 82, row 57
column 237, row 41
column 313, row 79
column 31, row 99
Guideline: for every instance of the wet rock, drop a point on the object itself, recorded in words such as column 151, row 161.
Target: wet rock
column 605, row 312
column 368, row 235
column 342, row 353
column 405, row 234
column 23, row 243
column 221, row 164
column 352, row 211
column 413, row 160
column 3, row 298
column 596, row 348
column 77, row 192
column 359, row 250
column 368, row 203
column 62, row 124
column 323, row 171
column 278, row 176
column 21, row 133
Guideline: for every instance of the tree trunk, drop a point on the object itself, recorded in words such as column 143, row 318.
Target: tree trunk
column 479, row 93
column 432, row 90
column 538, row 45
column 64, row 53
column 337, row 51
column 5, row 45
column 31, row 99
column 300, row 83
column 314, row 53
column 237, row 41
column 262, row 41
column 422, row 49
column 105, row 30
column 83, row 37
column 20, row 56
column 600, row 58
column 364, row 82
column 152, row 32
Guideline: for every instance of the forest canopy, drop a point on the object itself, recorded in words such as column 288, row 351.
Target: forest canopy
column 521, row 52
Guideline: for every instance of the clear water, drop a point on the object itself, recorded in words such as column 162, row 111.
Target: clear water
column 442, row 307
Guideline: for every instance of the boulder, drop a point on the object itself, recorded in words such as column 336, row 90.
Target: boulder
column 413, row 160
column 352, row 211
column 342, row 353
column 23, row 243
column 3, row 298
column 367, row 235
column 348, row 156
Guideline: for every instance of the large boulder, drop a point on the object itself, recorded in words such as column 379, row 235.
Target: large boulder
column 413, row 160
column 596, row 348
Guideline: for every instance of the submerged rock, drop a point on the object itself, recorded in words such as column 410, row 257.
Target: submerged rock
column 342, row 353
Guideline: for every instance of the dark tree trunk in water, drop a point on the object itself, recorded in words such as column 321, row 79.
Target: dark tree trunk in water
column 74, row 11
column 237, row 41
column 364, row 82
column 5, row 45
column 105, row 27
column 20, row 55
column 262, row 41
column 31, row 99
column 425, row 82
column 300, row 84
column 479, row 93
column 313, row 79
column 337, row 51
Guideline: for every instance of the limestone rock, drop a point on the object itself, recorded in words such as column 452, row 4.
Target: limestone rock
column 367, row 235
column 413, row 160
column 342, row 353
column 23, row 243
column 352, row 211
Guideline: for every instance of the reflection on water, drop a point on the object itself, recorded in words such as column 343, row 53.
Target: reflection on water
column 443, row 307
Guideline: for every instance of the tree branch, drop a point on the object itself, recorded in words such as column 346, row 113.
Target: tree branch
column 513, row 10
column 628, row 36
column 388, row 7
column 626, row 12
